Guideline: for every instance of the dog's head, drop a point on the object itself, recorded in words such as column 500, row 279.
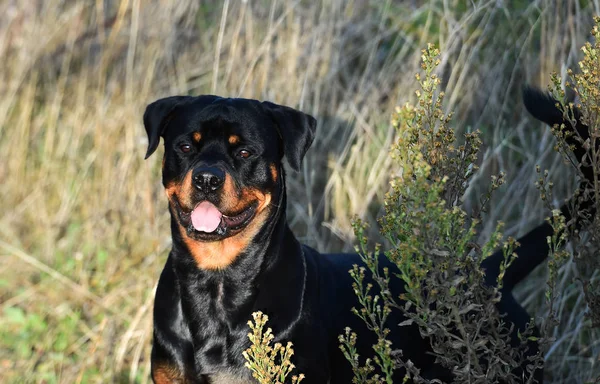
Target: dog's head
column 223, row 167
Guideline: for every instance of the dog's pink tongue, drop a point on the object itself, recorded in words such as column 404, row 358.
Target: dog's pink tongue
column 206, row 217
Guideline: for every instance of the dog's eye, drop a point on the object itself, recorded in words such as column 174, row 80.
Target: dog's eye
column 244, row 154
column 185, row 148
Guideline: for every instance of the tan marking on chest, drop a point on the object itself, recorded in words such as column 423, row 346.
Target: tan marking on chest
column 163, row 373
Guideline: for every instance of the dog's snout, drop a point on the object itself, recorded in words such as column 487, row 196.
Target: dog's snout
column 208, row 179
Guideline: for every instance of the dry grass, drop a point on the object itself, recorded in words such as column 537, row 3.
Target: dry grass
column 83, row 220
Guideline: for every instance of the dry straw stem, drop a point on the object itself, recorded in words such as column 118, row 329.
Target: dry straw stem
column 76, row 196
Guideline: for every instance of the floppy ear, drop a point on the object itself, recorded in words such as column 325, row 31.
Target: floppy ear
column 297, row 131
column 156, row 119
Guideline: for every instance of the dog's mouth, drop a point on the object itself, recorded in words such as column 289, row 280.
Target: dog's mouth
column 207, row 223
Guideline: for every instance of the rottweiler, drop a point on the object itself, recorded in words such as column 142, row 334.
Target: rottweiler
column 233, row 252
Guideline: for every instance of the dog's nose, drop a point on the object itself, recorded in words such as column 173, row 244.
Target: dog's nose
column 208, row 179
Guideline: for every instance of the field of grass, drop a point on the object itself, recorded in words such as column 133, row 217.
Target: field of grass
column 83, row 219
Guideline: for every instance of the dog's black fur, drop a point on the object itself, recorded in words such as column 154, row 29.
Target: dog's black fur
column 228, row 152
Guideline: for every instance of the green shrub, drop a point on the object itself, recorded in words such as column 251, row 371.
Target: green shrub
column 435, row 250
column 584, row 84
column 434, row 243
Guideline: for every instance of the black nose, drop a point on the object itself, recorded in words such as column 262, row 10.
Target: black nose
column 208, row 179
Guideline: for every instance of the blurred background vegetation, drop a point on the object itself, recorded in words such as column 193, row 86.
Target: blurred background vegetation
column 83, row 220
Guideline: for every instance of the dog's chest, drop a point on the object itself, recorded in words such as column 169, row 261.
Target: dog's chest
column 228, row 378
column 218, row 333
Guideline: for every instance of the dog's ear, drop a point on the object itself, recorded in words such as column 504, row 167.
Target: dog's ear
column 156, row 119
column 297, row 131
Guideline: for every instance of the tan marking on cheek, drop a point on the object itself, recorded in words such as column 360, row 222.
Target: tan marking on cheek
column 197, row 136
column 274, row 174
column 186, row 191
column 244, row 200
column 181, row 191
column 265, row 202
column 229, row 195
column 172, row 190
column 234, row 139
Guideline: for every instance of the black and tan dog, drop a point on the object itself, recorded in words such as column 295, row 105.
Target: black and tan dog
column 233, row 252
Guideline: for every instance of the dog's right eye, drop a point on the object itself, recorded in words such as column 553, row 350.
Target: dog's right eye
column 244, row 154
column 185, row 148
